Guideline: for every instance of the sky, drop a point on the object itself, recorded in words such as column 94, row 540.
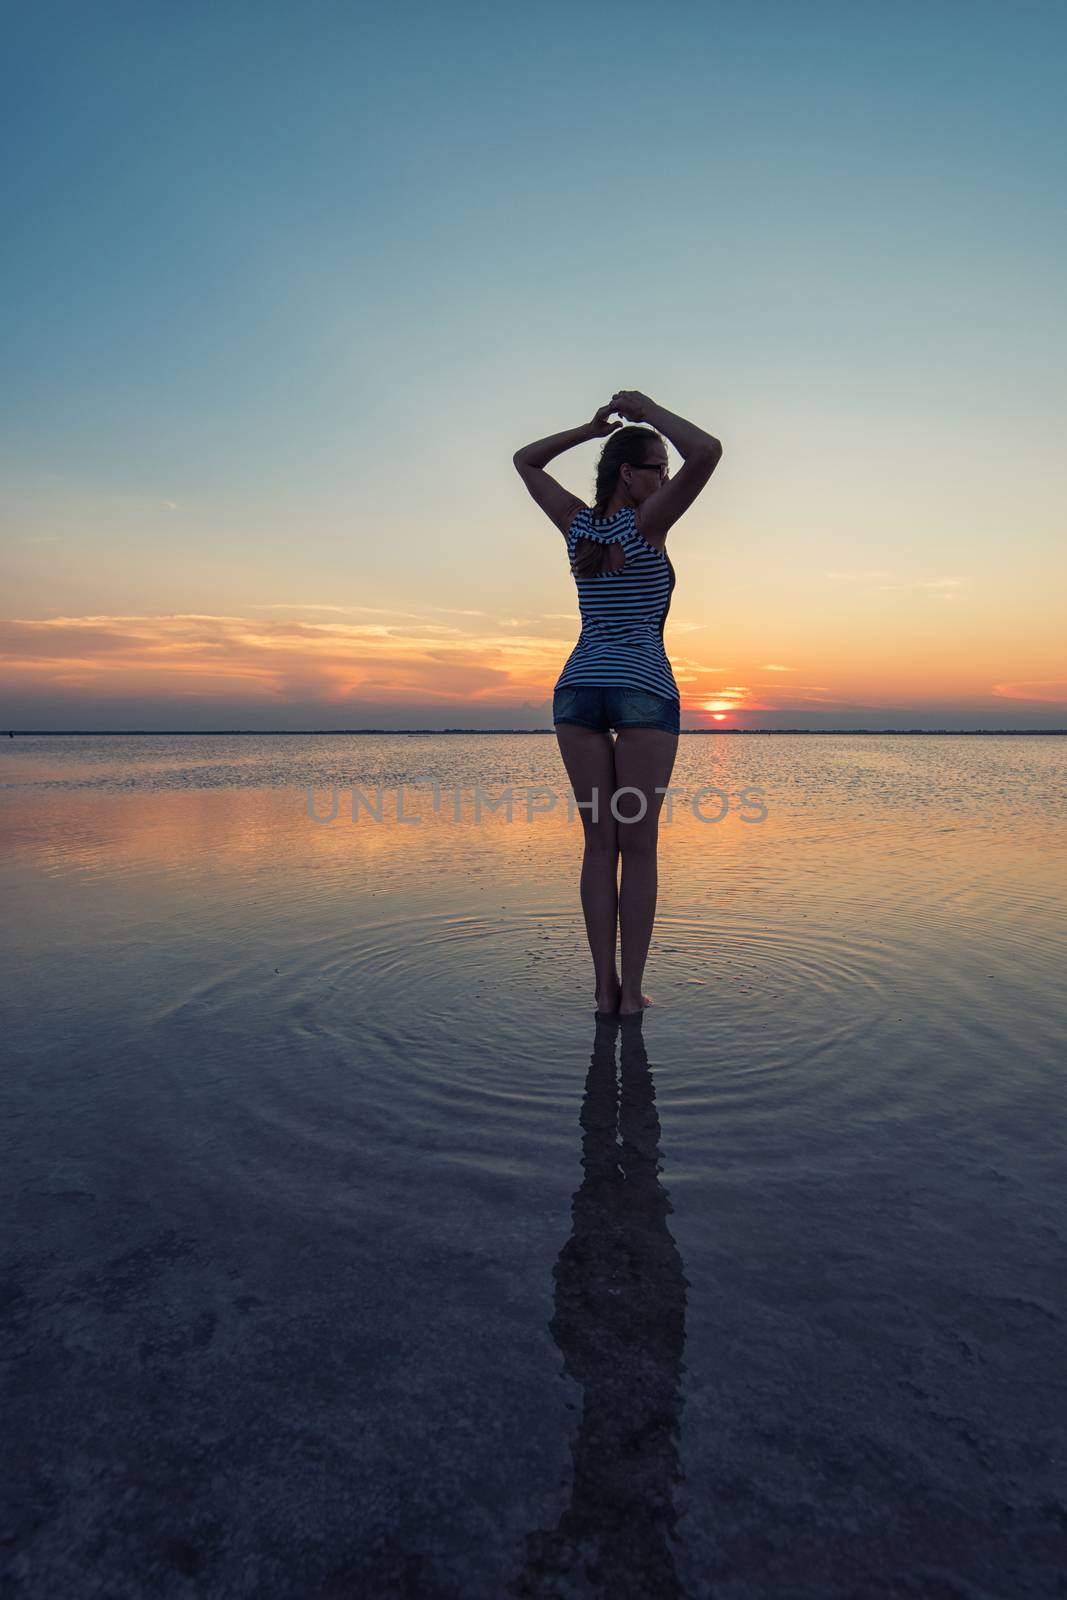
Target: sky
column 285, row 287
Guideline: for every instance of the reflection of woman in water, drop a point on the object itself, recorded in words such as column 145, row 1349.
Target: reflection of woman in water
column 618, row 675
column 619, row 1323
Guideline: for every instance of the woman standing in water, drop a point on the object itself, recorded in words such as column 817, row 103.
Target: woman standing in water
column 618, row 675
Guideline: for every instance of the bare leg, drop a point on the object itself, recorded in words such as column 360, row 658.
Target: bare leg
column 589, row 758
column 644, row 760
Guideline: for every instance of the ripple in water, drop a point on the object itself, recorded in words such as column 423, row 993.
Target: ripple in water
column 458, row 1032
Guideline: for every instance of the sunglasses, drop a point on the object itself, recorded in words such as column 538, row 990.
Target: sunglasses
column 650, row 466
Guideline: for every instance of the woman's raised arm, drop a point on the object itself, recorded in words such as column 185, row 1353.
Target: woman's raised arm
column 542, row 451
column 686, row 437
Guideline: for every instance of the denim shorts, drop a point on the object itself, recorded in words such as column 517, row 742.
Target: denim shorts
column 600, row 706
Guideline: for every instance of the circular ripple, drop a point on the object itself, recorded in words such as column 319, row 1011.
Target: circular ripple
column 468, row 1036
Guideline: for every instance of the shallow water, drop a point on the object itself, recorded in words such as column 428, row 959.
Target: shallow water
column 352, row 1255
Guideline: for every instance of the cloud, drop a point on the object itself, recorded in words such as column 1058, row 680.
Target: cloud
column 1047, row 690
column 277, row 659
column 944, row 588
column 771, row 667
column 373, row 611
column 312, row 605
column 459, row 611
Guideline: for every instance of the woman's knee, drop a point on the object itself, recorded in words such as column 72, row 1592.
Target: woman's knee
column 601, row 837
column 639, row 837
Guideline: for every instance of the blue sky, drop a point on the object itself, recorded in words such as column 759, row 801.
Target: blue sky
column 286, row 286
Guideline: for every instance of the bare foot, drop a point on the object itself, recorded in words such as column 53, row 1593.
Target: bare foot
column 627, row 1008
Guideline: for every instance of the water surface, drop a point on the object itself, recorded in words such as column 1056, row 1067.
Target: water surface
column 350, row 1254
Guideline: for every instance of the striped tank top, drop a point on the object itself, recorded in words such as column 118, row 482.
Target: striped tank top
column 623, row 612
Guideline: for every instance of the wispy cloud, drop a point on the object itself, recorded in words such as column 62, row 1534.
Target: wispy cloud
column 332, row 608
column 695, row 666
column 1047, row 690
column 276, row 659
column 945, row 588
column 315, row 605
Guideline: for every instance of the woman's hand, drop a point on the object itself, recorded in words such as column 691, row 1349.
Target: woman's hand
column 631, row 404
column 600, row 424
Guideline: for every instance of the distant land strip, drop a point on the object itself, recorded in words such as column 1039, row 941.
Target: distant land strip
column 304, row 733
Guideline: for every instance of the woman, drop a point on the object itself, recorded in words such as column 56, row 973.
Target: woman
column 618, row 676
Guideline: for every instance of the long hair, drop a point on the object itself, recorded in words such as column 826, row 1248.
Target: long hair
column 625, row 447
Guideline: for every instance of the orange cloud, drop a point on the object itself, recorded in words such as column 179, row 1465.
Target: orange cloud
column 277, row 659
column 1050, row 690
column 412, row 659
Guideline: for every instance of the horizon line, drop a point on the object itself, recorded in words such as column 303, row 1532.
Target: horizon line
column 190, row 733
